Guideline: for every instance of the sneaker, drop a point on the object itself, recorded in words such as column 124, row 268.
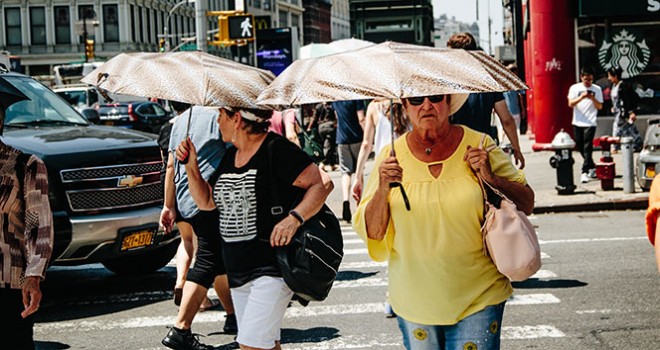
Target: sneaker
column 584, row 178
column 389, row 313
column 231, row 326
column 592, row 173
column 346, row 213
column 179, row 339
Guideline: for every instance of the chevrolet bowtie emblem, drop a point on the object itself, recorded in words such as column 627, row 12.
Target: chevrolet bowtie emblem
column 129, row 181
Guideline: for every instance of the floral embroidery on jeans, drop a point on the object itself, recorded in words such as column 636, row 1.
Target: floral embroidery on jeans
column 470, row 346
column 494, row 327
column 420, row 334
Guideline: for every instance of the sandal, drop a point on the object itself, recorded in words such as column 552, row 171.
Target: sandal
column 211, row 304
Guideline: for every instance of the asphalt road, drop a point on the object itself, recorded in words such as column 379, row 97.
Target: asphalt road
column 598, row 289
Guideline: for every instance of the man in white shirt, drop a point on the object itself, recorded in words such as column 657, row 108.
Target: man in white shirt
column 586, row 99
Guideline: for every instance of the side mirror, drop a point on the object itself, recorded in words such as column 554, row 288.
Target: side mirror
column 92, row 115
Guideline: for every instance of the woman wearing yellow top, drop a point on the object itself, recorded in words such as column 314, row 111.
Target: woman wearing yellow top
column 446, row 293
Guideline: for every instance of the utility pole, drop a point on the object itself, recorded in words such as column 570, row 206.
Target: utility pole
column 88, row 13
column 201, row 25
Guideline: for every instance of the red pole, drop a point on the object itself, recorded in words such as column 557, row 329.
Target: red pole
column 553, row 67
column 529, row 77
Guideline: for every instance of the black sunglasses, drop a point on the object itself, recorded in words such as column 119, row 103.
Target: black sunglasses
column 416, row 101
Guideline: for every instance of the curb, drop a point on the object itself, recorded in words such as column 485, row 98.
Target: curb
column 625, row 204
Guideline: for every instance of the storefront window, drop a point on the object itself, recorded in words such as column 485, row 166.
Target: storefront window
column 628, row 43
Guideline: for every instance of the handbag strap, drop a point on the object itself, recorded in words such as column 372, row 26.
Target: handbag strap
column 482, row 181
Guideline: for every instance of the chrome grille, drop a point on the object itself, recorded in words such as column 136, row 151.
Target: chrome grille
column 112, row 198
column 108, row 172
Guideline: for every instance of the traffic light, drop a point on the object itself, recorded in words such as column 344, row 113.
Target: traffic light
column 161, row 45
column 89, row 48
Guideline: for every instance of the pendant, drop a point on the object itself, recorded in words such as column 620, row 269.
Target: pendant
column 428, row 151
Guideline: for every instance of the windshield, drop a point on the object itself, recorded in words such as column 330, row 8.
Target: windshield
column 76, row 98
column 44, row 105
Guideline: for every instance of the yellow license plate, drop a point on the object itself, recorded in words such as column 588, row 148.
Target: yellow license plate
column 139, row 239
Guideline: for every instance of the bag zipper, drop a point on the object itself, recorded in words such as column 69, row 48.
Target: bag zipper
column 325, row 244
column 310, row 252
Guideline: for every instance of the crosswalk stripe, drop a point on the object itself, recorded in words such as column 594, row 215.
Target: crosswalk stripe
column 353, row 241
column 532, row 299
column 356, row 251
column 361, row 265
column 588, row 240
column 544, row 274
column 531, row 332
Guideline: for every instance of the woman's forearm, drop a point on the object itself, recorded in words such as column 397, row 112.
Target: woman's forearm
column 313, row 199
column 521, row 195
column 200, row 190
column 377, row 215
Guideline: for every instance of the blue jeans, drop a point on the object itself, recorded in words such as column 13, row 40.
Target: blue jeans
column 479, row 331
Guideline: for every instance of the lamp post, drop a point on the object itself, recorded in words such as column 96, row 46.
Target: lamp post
column 167, row 21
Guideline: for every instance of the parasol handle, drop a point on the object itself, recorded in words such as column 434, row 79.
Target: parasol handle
column 393, row 153
column 185, row 160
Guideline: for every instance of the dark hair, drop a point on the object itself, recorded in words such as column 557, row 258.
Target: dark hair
column 463, row 40
column 615, row 72
column 586, row 71
column 179, row 106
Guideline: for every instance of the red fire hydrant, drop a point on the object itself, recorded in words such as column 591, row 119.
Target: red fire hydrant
column 606, row 168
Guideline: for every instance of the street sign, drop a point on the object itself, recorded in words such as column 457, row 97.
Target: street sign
column 241, row 27
column 188, row 47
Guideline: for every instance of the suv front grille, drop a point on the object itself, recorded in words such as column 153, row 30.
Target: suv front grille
column 113, row 187
column 112, row 198
column 109, row 172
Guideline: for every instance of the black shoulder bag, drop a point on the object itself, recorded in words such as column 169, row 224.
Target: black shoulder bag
column 310, row 263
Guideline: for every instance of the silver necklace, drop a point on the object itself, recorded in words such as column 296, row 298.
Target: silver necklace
column 429, row 149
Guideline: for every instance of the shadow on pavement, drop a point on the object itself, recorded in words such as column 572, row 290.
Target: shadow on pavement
column 353, row 275
column 537, row 283
column 50, row 345
column 82, row 293
column 310, row 335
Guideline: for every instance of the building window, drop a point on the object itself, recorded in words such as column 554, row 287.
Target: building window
column 141, row 24
column 62, row 25
column 38, row 25
column 87, row 12
column 132, row 11
column 13, row 26
column 283, row 19
column 110, row 24
column 295, row 21
column 266, row 5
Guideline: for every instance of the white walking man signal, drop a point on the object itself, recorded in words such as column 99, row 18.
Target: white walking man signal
column 247, row 28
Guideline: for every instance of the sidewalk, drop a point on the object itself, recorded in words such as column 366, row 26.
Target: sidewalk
column 543, row 179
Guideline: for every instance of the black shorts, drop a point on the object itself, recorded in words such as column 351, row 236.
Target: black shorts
column 208, row 259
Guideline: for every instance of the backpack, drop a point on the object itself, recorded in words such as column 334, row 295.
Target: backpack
column 310, row 263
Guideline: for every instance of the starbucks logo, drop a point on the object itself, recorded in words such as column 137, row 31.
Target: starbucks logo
column 625, row 52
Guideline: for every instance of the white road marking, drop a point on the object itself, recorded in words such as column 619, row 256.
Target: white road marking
column 531, row 332
column 544, row 274
column 590, row 240
column 532, row 299
column 604, row 311
column 353, row 241
column 362, row 282
column 356, row 251
column 361, row 265
column 544, row 255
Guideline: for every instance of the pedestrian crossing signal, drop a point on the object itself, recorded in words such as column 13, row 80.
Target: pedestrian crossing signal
column 241, row 27
column 89, row 48
column 161, row 45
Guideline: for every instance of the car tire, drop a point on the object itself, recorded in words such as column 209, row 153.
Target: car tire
column 147, row 262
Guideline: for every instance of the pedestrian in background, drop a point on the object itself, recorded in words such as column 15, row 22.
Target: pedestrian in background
column 284, row 123
column 653, row 219
column 26, row 233
column 259, row 163
column 325, row 118
column 515, row 103
column 586, row 99
column 446, row 293
column 350, row 126
column 190, row 291
column 477, row 111
column 624, row 105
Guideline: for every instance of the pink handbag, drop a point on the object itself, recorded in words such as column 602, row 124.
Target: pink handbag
column 509, row 237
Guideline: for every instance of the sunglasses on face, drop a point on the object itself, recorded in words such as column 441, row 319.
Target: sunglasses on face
column 416, row 101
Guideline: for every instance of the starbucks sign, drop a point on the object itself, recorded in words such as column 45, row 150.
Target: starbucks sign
column 625, row 51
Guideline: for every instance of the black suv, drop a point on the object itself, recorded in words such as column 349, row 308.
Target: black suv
column 144, row 116
column 105, row 190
